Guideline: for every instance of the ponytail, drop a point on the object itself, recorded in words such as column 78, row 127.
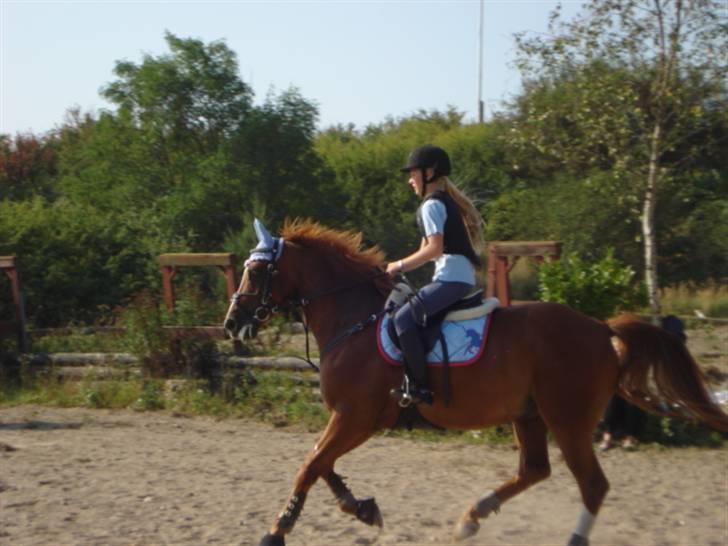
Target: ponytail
column 471, row 216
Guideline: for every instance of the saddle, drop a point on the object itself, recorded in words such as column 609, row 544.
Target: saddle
column 472, row 306
column 469, row 307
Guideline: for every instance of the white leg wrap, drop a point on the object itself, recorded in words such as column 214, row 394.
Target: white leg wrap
column 585, row 523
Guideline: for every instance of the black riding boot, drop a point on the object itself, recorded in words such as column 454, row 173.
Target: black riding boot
column 416, row 370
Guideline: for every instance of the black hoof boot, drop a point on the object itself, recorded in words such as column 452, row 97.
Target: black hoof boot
column 272, row 540
column 368, row 512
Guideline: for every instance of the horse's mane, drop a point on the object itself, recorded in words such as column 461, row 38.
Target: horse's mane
column 346, row 244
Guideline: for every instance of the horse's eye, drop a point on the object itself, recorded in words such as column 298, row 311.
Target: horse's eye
column 254, row 276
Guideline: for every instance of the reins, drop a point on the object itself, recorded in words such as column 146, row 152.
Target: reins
column 306, row 301
column 356, row 328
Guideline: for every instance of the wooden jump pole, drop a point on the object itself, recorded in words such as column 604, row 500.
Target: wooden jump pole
column 169, row 263
column 503, row 255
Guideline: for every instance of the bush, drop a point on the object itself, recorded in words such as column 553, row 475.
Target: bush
column 599, row 289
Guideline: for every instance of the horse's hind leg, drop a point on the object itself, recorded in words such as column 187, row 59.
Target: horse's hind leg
column 341, row 435
column 530, row 433
column 578, row 451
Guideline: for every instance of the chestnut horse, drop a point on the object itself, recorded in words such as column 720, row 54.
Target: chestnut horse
column 546, row 368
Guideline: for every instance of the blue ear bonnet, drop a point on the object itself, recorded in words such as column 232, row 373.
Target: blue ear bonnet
column 269, row 248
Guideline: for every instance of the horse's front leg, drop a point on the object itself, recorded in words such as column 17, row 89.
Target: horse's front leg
column 342, row 434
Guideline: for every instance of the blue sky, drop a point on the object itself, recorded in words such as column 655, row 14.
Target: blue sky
column 359, row 61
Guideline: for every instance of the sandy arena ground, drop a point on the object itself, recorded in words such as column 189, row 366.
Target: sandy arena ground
column 96, row 477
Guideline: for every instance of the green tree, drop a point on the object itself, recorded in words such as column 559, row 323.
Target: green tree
column 643, row 78
column 187, row 145
column 192, row 97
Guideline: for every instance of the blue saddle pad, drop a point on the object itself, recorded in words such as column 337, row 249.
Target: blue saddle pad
column 465, row 341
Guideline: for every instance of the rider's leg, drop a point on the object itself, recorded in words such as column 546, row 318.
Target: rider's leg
column 431, row 299
column 416, row 365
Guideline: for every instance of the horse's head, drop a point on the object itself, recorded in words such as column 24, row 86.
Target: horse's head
column 318, row 263
column 259, row 294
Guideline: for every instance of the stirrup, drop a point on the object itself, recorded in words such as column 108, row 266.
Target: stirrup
column 406, row 395
column 402, row 394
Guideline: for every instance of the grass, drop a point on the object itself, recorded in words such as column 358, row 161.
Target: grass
column 86, row 393
column 80, row 340
column 274, row 397
column 683, row 299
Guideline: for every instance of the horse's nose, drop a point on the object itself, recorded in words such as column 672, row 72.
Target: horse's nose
column 230, row 327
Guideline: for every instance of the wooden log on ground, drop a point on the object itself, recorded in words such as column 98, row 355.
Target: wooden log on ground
column 100, row 373
column 290, row 363
column 81, row 359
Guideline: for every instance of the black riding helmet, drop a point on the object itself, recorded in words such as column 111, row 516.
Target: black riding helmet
column 428, row 156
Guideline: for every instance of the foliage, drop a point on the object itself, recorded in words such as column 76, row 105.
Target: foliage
column 73, row 260
column 162, row 351
column 145, row 336
column 599, row 289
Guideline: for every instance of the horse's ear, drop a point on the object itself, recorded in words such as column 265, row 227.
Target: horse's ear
column 262, row 233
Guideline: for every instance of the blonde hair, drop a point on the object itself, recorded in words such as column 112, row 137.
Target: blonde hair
column 471, row 216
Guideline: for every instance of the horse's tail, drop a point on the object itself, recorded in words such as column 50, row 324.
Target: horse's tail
column 659, row 375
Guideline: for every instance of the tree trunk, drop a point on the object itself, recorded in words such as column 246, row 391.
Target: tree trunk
column 648, row 226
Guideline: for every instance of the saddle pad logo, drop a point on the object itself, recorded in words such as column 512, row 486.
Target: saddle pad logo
column 465, row 340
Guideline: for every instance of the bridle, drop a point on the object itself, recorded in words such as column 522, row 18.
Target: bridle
column 266, row 308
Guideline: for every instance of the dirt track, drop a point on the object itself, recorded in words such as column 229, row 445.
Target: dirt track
column 85, row 477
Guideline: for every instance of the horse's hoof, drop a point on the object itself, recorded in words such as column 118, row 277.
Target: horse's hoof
column 368, row 512
column 578, row 540
column 466, row 528
column 272, row 540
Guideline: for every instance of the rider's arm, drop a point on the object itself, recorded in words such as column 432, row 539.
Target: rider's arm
column 430, row 249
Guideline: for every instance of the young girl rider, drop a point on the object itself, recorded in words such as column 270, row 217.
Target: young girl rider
column 451, row 229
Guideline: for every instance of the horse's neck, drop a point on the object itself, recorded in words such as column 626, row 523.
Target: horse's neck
column 330, row 315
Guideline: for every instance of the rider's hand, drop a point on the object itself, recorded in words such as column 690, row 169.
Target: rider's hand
column 394, row 268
